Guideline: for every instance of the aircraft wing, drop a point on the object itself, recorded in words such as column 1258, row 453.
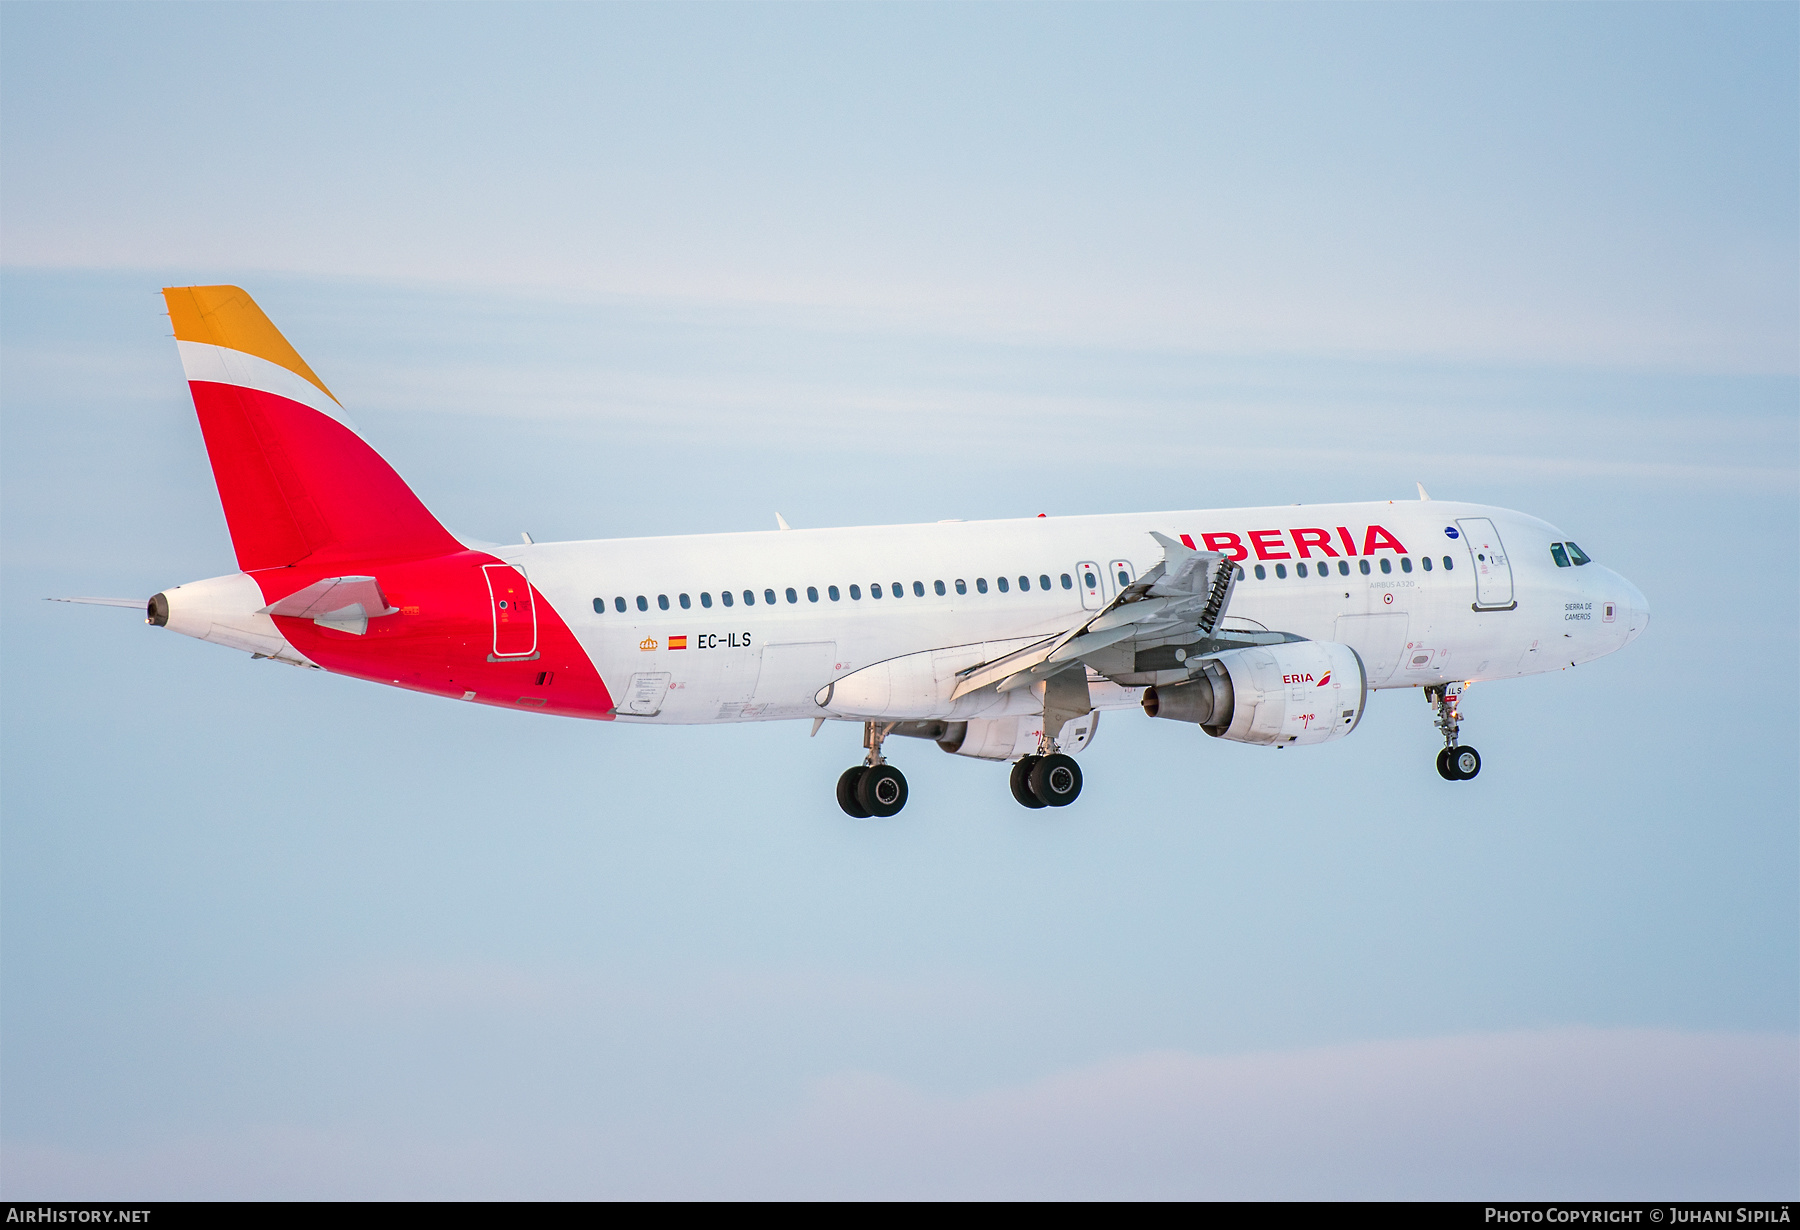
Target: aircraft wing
column 1187, row 591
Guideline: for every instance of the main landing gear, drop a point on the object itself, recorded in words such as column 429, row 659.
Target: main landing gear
column 874, row 787
column 1048, row 779
column 1455, row 763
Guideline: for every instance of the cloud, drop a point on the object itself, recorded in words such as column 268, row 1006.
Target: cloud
column 1573, row 1113
column 1553, row 1114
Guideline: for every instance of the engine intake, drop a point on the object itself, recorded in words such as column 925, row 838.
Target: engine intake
column 1299, row 692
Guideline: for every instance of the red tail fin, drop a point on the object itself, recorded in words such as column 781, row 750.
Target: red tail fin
column 295, row 478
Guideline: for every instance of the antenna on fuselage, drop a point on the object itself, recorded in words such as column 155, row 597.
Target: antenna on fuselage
column 1422, row 493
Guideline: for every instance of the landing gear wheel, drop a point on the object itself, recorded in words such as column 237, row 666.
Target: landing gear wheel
column 1446, row 770
column 846, row 792
column 1021, row 782
column 1056, row 780
column 1466, row 761
column 882, row 790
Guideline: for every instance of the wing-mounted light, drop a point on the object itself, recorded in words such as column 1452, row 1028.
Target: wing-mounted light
column 344, row 603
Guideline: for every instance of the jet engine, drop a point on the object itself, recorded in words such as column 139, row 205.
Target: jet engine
column 1298, row 692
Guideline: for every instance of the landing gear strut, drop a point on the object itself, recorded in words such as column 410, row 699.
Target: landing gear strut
column 1455, row 763
column 874, row 787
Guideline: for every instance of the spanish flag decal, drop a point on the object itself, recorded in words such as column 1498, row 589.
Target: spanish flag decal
column 678, row 642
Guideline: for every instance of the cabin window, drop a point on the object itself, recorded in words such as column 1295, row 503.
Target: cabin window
column 1262, row 574
column 1068, row 582
column 1090, row 580
column 643, row 603
column 619, row 605
column 939, row 587
column 875, row 590
column 1124, row 577
column 1387, row 565
column 769, row 596
column 749, row 597
column 599, row 606
column 1024, row 585
column 856, row 593
column 897, row 589
column 831, row 592
column 1281, row 571
column 962, row 586
column 981, row 585
column 1425, row 562
column 686, row 602
column 1448, row 563
column 662, row 602
column 812, row 593
column 1406, row 563
column 1577, row 556
column 1362, row 566
column 919, row 588
column 1001, row 582
column 1343, row 568
column 792, row 597
column 1240, row 572
column 1299, row 570
column 725, row 597
column 706, row 600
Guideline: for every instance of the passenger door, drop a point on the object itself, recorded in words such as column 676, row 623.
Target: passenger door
column 515, row 614
column 1493, row 574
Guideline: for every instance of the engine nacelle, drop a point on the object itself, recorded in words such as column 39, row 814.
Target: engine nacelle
column 1298, row 692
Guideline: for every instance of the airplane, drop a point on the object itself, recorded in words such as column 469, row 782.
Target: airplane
column 1000, row 640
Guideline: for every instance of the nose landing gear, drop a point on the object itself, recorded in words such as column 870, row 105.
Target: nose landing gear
column 874, row 787
column 1455, row 763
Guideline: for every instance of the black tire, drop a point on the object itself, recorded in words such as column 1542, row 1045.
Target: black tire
column 846, row 791
column 1466, row 761
column 1056, row 780
column 1446, row 770
column 882, row 790
column 1021, row 782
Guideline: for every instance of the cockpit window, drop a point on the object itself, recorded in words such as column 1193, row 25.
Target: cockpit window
column 1559, row 555
column 1577, row 556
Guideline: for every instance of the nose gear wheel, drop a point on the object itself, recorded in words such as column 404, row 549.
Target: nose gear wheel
column 1456, row 762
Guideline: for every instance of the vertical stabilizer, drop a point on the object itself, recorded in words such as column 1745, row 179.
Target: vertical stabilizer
column 295, row 478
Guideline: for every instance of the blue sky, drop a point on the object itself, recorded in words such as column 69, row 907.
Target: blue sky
column 638, row 270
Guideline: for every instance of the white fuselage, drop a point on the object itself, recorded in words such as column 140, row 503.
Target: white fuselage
column 1486, row 610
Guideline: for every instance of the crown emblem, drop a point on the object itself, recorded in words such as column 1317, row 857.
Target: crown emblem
column 647, row 644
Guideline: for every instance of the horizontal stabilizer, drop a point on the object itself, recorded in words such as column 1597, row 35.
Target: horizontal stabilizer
column 136, row 604
column 344, row 603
